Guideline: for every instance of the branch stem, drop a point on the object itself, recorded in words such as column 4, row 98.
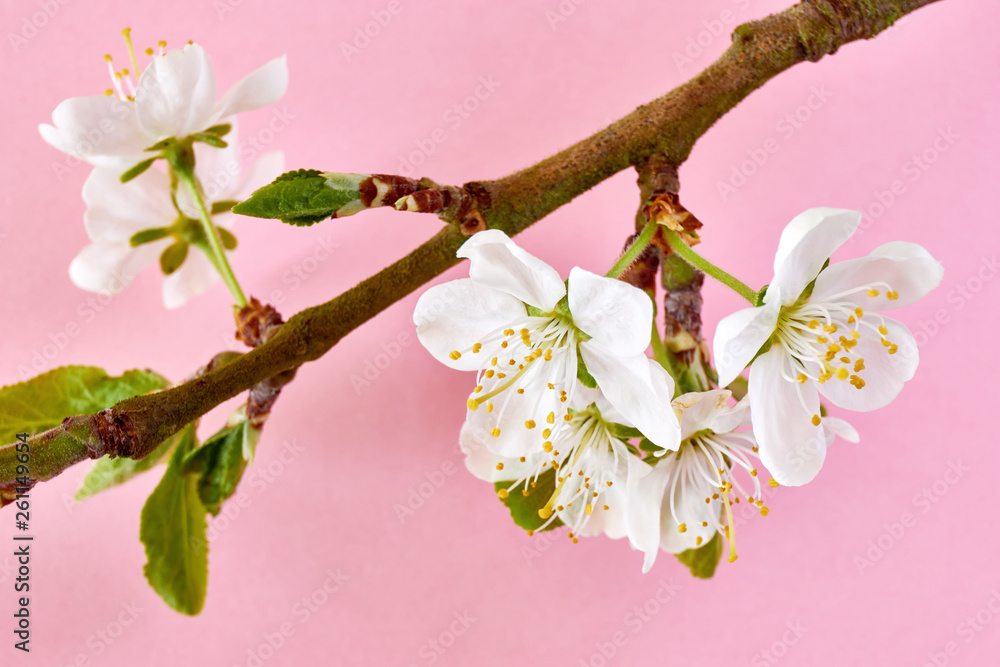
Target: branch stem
column 697, row 261
column 634, row 250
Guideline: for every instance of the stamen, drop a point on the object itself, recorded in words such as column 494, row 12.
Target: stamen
column 127, row 34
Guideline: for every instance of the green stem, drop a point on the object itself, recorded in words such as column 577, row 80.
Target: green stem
column 218, row 255
column 633, row 251
column 697, row 261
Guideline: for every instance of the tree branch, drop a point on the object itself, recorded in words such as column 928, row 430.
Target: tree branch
column 669, row 125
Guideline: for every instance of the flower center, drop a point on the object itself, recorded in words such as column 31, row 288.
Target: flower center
column 125, row 81
column 820, row 338
column 585, row 472
column 527, row 362
column 702, row 468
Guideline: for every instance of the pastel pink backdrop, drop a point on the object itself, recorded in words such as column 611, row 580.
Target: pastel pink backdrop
column 829, row 562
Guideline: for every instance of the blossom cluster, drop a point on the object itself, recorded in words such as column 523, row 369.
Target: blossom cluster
column 136, row 214
column 571, row 419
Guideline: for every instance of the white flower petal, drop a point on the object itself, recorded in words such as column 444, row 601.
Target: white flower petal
column 839, row 428
column 260, row 88
column 176, row 93
column 495, row 261
column 482, row 463
column 612, row 312
column 116, row 210
column 908, row 269
column 194, row 277
column 639, row 388
column 709, row 410
column 805, row 245
column 457, row 314
column 644, row 507
column 791, row 447
column 672, row 540
column 740, row 336
column 107, row 268
column 510, row 413
column 98, row 129
column 884, row 373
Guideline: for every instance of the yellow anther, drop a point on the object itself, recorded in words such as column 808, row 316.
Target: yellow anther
column 813, row 324
column 893, row 348
column 508, row 332
column 551, row 418
column 478, row 389
column 872, row 292
column 489, row 407
column 548, row 356
column 530, row 533
column 522, row 459
column 698, row 541
column 529, row 424
column 841, row 373
column 892, row 295
column 822, row 340
column 500, row 466
column 754, row 449
column 501, row 376
column 682, row 528
column 801, row 378
column 109, row 92
column 503, row 494
column 753, row 472
column 477, row 347
column 609, row 482
column 704, row 524
column 551, row 386
column 816, row 420
column 560, row 508
column 520, row 391
column 589, row 509
column 859, row 311
column 524, row 332
column 493, row 361
column 149, row 51
column 855, row 334
column 845, row 360
column 162, row 44
column 489, row 373
column 495, row 433
column 606, row 507
column 545, row 512
column 472, row 404
column 546, row 433
column 547, row 446
column 525, row 493
column 567, row 417
column 455, row 354
column 851, row 320
column 764, row 511
column 503, row 343
column 773, row 483
column 886, row 342
column 830, row 328
column 859, row 365
column 833, row 348
column 107, row 57
column 882, row 330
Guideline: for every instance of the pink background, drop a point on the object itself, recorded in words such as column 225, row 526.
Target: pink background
column 829, row 561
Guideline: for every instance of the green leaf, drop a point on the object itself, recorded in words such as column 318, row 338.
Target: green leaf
column 107, row 473
column 303, row 197
column 173, row 257
column 582, row 374
column 137, row 169
column 739, row 387
column 173, row 530
column 623, row 432
column 703, row 560
column 524, row 509
column 220, row 463
column 42, row 402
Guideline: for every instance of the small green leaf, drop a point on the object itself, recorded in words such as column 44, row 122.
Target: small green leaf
column 624, row 432
column 173, row 257
column 582, row 374
column 220, row 463
column 210, row 139
column 223, row 206
column 524, row 509
column 303, row 197
column 220, row 130
column 148, row 236
column 137, row 169
column 174, row 532
column 739, row 387
column 107, row 472
column 703, row 560
column 42, row 402
column 227, row 237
